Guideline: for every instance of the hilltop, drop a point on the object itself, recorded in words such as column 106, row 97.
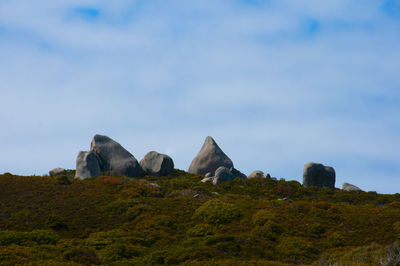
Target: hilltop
column 177, row 219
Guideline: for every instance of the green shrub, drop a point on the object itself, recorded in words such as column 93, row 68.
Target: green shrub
column 216, row 211
column 63, row 180
column 200, row 230
column 269, row 231
column 262, row 216
column 118, row 251
column 121, row 206
column 82, row 256
column 24, row 238
column 296, row 250
column 100, row 240
column 135, row 211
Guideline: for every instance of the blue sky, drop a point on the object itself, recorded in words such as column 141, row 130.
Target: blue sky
column 277, row 83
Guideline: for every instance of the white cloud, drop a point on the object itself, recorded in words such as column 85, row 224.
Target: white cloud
column 156, row 75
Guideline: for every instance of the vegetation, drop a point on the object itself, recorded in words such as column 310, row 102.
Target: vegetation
column 179, row 220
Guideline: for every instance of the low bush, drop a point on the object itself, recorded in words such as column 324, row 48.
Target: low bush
column 216, row 211
column 25, row 238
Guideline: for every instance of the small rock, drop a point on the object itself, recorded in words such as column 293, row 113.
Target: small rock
column 56, row 171
column 155, row 185
column 157, row 164
column 257, row 174
column 207, row 179
column 350, row 187
column 215, row 193
column 222, row 174
column 197, row 196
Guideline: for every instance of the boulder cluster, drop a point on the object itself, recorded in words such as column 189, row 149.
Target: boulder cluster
column 107, row 156
column 212, row 162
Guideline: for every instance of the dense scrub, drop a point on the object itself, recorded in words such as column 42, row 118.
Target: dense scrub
column 179, row 220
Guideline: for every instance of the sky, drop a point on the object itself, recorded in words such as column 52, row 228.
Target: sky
column 277, row 83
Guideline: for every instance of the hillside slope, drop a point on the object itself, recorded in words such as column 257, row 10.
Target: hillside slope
column 179, row 220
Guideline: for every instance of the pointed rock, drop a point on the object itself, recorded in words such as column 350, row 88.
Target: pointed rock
column 87, row 165
column 115, row 159
column 157, row 164
column 209, row 158
column 350, row 187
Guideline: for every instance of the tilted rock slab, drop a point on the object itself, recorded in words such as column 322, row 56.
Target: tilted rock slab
column 115, row 159
column 157, row 164
column 87, row 165
column 315, row 174
column 237, row 173
column 209, row 158
column 350, row 187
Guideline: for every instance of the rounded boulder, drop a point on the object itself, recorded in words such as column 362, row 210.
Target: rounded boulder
column 157, row 164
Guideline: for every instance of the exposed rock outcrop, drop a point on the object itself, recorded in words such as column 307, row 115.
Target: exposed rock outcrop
column 350, row 187
column 207, row 179
column 157, row 164
column 257, row 174
column 56, row 171
column 315, row 174
column 115, row 159
column 87, row 165
column 236, row 173
column 209, row 158
column 222, row 174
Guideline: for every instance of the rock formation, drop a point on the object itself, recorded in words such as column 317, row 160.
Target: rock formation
column 257, row 174
column 87, row 165
column 209, row 158
column 222, row 174
column 115, row 159
column 237, row 173
column 56, row 171
column 350, row 187
column 318, row 175
column 157, row 164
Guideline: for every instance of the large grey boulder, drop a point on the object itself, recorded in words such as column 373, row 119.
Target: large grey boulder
column 87, row 165
column 209, row 158
column 115, row 159
column 56, row 171
column 350, row 187
column 157, row 164
column 257, row 174
column 222, row 174
column 315, row 174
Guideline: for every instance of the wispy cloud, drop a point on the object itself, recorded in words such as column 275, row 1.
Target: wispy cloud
column 277, row 83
